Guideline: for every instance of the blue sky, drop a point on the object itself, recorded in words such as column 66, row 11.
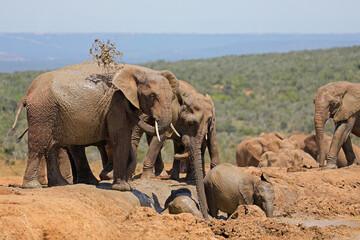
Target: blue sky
column 185, row 16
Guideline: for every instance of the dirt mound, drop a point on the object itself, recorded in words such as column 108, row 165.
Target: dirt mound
column 89, row 212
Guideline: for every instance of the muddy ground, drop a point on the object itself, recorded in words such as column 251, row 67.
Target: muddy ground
column 309, row 204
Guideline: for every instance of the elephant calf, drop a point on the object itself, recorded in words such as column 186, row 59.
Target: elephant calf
column 227, row 187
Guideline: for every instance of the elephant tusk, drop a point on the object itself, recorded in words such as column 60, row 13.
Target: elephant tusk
column 157, row 131
column 206, row 137
column 173, row 128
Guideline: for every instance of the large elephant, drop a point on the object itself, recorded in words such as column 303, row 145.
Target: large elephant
column 194, row 121
column 227, row 187
column 341, row 102
column 249, row 151
column 83, row 104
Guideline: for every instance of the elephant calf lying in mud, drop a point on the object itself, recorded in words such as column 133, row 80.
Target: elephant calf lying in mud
column 227, row 187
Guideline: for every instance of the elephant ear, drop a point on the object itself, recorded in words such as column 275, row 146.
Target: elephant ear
column 246, row 190
column 255, row 148
column 125, row 80
column 174, row 83
column 212, row 119
column 350, row 104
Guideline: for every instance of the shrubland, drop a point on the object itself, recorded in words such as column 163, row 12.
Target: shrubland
column 252, row 94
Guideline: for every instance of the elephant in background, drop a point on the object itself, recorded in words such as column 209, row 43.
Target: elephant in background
column 85, row 104
column 194, row 122
column 249, row 151
column 312, row 148
column 227, row 187
column 299, row 138
column 341, row 102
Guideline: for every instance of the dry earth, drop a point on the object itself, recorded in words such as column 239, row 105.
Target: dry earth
column 309, row 204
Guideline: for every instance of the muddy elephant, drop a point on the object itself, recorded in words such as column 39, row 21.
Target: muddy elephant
column 181, row 201
column 194, row 121
column 299, row 139
column 84, row 104
column 249, row 151
column 311, row 148
column 227, row 187
column 341, row 102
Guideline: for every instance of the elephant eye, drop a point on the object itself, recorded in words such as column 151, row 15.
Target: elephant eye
column 152, row 97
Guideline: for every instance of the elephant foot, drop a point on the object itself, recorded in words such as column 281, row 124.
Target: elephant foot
column 147, row 173
column 42, row 180
column 59, row 182
column 174, row 176
column 331, row 166
column 159, row 167
column 121, row 186
column 105, row 175
column 88, row 180
column 31, row 184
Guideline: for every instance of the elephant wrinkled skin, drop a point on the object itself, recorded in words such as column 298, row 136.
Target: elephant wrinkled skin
column 227, row 187
column 85, row 104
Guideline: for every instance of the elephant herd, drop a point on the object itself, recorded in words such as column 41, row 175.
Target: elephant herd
column 85, row 104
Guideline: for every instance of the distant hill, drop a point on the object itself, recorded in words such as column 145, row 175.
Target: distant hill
column 19, row 52
column 252, row 93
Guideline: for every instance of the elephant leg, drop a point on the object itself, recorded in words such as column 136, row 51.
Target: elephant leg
column 107, row 160
column 131, row 167
column 175, row 171
column 65, row 165
column 342, row 131
column 136, row 135
column 53, row 170
column 84, row 173
column 30, row 179
column 159, row 164
column 73, row 166
column 349, row 152
column 42, row 172
column 151, row 155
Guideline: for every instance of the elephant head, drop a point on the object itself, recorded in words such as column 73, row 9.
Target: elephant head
column 339, row 101
column 149, row 91
column 258, row 192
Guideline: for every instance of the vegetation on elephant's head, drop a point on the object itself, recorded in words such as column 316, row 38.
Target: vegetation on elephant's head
column 104, row 53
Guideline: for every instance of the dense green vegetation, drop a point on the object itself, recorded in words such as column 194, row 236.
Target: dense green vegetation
column 252, row 94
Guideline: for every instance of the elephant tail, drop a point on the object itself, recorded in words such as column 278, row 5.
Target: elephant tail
column 21, row 136
column 21, row 105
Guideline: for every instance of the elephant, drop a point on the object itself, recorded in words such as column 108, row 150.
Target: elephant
column 227, row 187
column 249, row 151
column 299, row 139
column 194, row 121
column 287, row 158
column 181, row 201
column 341, row 102
column 84, row 104
column 311, row 148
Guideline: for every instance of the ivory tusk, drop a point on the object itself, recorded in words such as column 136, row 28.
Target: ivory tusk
column 157, row 131
column 173, row 128
column 206, row 137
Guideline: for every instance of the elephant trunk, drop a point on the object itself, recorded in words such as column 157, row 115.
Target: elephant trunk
column 319, row 121
column 194, row 149
column 212, row 144
column 163, row 123
column 269, row 210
